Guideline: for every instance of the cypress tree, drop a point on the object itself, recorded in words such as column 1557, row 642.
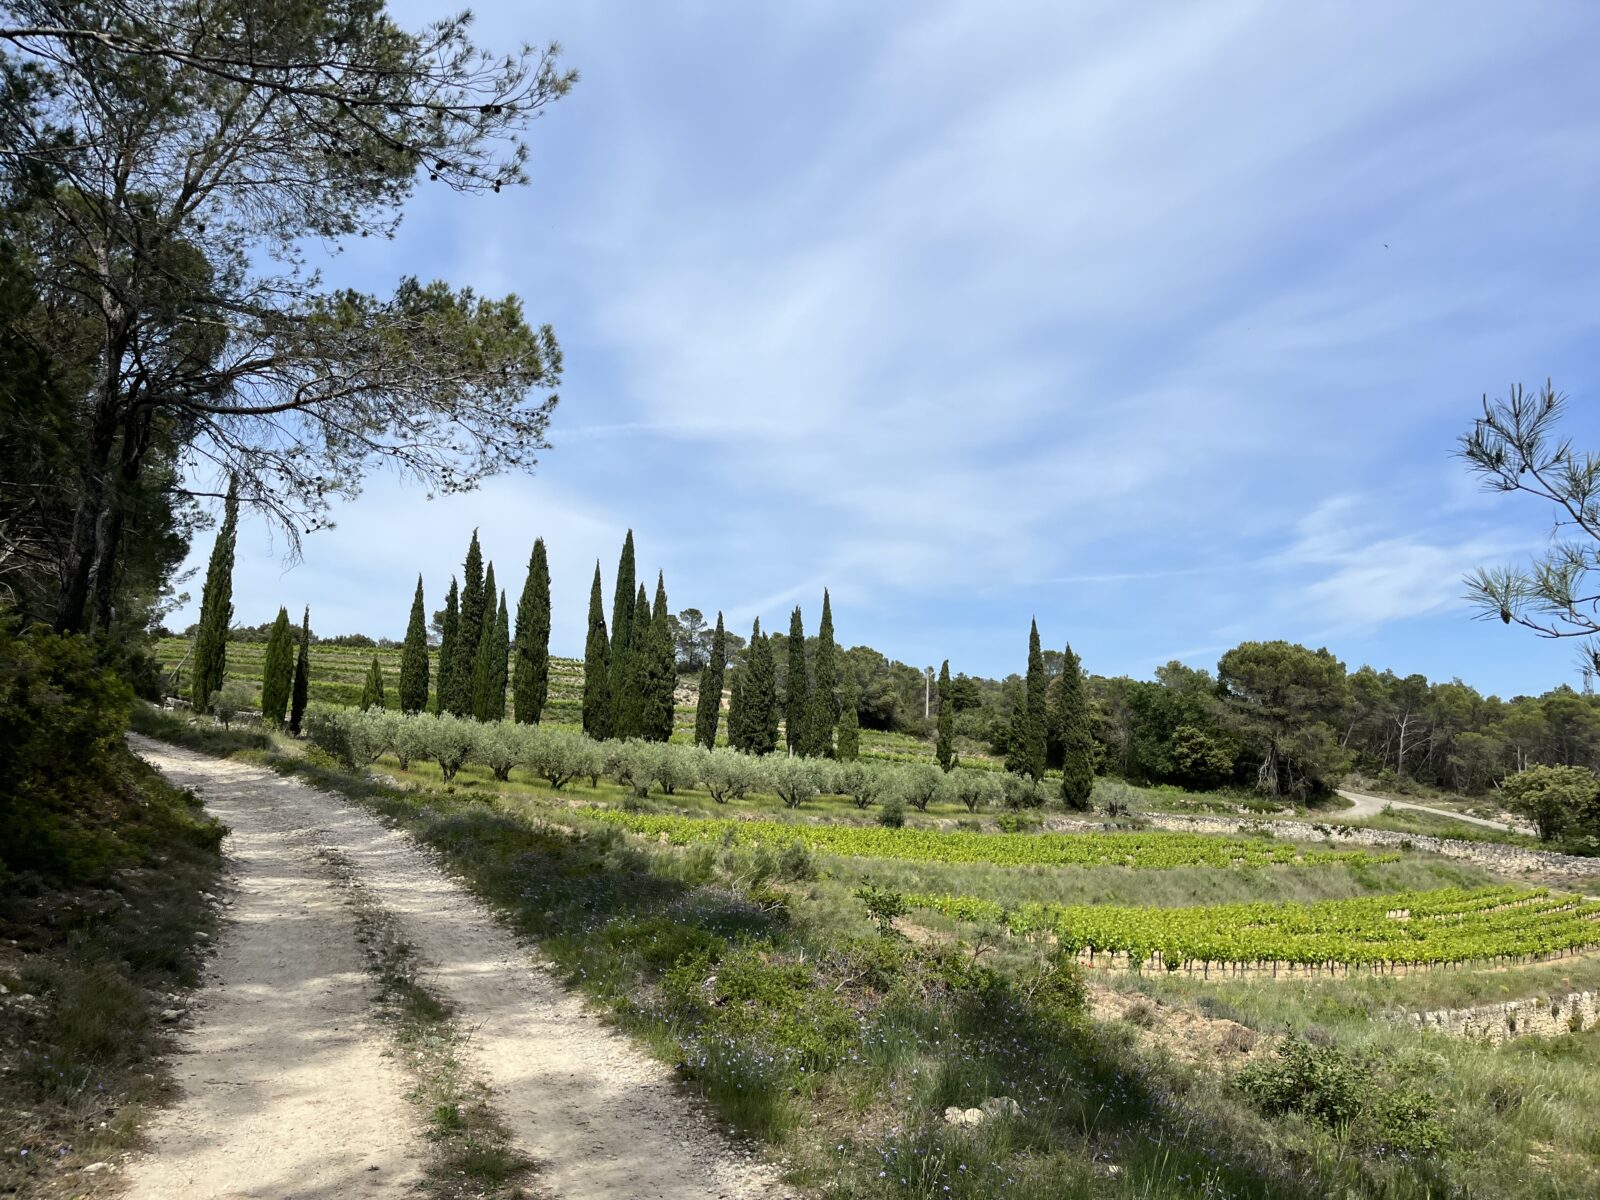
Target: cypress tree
column 372, row 689
column 761, row 695
column 622, row 611
column 414, row 658
column 945, row 750
column 449, row 639
column 1017, row 742
column 1034, row 726
column 530, row 677
column 502, row 677
column 798, row 685
column 216, row 606
column 849, row 723
column 708, row 705
column 469, row 632
column 484, row 671
column 1075, row 733
column 737, row 737
column 636, row 682
column 277, row 671
column 302, row 675
column 597, row 666
column 822, row 706
column 659, row 674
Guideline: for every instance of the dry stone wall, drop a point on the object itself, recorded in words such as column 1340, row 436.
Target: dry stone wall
column 1543, row 1016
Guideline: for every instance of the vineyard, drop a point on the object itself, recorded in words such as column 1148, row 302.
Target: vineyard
column 1447, row 926
column 1145, row 850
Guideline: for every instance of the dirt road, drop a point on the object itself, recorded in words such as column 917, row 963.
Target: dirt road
column 288, row 1094
column 1371, row 806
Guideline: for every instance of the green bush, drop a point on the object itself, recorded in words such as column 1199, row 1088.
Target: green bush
column 1318, row 1081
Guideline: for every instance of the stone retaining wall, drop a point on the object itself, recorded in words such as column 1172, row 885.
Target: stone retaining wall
column 1543, row 1016
column 1494, row 855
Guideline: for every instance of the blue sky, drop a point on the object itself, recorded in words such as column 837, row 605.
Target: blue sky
column 1156, row 322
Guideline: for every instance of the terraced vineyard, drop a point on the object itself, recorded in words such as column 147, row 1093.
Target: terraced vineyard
column 1444, row 926
column 1146, row 850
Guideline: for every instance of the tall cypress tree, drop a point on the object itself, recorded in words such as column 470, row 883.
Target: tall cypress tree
column 659, row 674
column 636, row 682
column 597, row 666
column 414, row 658
column 1034, row 729
column 372, row 688
column 849, row 723
column 945, row 749
column 1075, row 732
column 469, row 632
column 708, row 705
column 484, row 671
column 737, row 725
column 530, row 676
column 622, row 610
column 502, row 677
column 302, row 675
column 277, row 671
column 761, row 695
column 822, row 706
column 216, row 606
column 449, row 643
column 798, row 685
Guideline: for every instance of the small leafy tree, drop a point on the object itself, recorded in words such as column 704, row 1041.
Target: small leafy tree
column 678, row 767
column 558, row 756
column 918, row 783
column 1555, row 799
column 452, row 741
column 372, row 687
column 229, row 700
column 410, row 741
column 500, row 746
column 974, row 789
column 862, row 783
column 883, row 905
column 794, row 780
column 730, row 774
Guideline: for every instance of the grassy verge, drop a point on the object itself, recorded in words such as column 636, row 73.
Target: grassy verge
column 85, row 972
column 776, row 999
column 471, row 1156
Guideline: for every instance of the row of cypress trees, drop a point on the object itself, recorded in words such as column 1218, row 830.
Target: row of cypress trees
column 630, row 669
column 1036, row 723
column 286, row 672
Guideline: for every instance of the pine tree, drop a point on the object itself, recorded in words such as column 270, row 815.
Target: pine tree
column 945, row 750
column 530, row 678
column 414, row 658
column 822, row 706
column 484, row 670
column 658, row 675
column 708, row 705
column 1075, row 733
column 597, row 666
column 469, row 633
column 622, row 610
column 738, row 737
column 372, row 688
column 797, row 686
column 1034, row 730
column 216, row 607
column 302, row 676
column 277, row 671
column 449, row 640
column 636, row 683
column 761, row 695
column 849, row 723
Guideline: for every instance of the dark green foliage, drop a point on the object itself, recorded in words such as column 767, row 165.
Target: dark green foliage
column 849, row 740
column 708, row 704
column 622, row 614
column 945, row 747
column 1284, row 698
column 738, row 736
column 797, row 684
column 761, row 696
column 658, row 674
column 629, row 707
column 822, row 705
column 216, row 607
column 530, row 676
column 277, row 671
column 488, row 663
column 503, row 674
column 1038, row 684
column 597, row 710
column 449, row 641
column 372, row 686
column 414, row 658
column 302, row 675
column 459, row 690
column 1074, row 732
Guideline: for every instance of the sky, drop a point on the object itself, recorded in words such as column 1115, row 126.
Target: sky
column 1155, row 323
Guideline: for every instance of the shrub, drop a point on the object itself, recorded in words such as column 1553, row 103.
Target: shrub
column 1021, row 792
column 353, row 738
column 1553, row 798
column 328, row 731
column 918, row 784
column 231, row 699
column 794, row 780
column 892, row 812
column 883, row 906
column 730, row 774
column 1318, row 1081
column 863, row 784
